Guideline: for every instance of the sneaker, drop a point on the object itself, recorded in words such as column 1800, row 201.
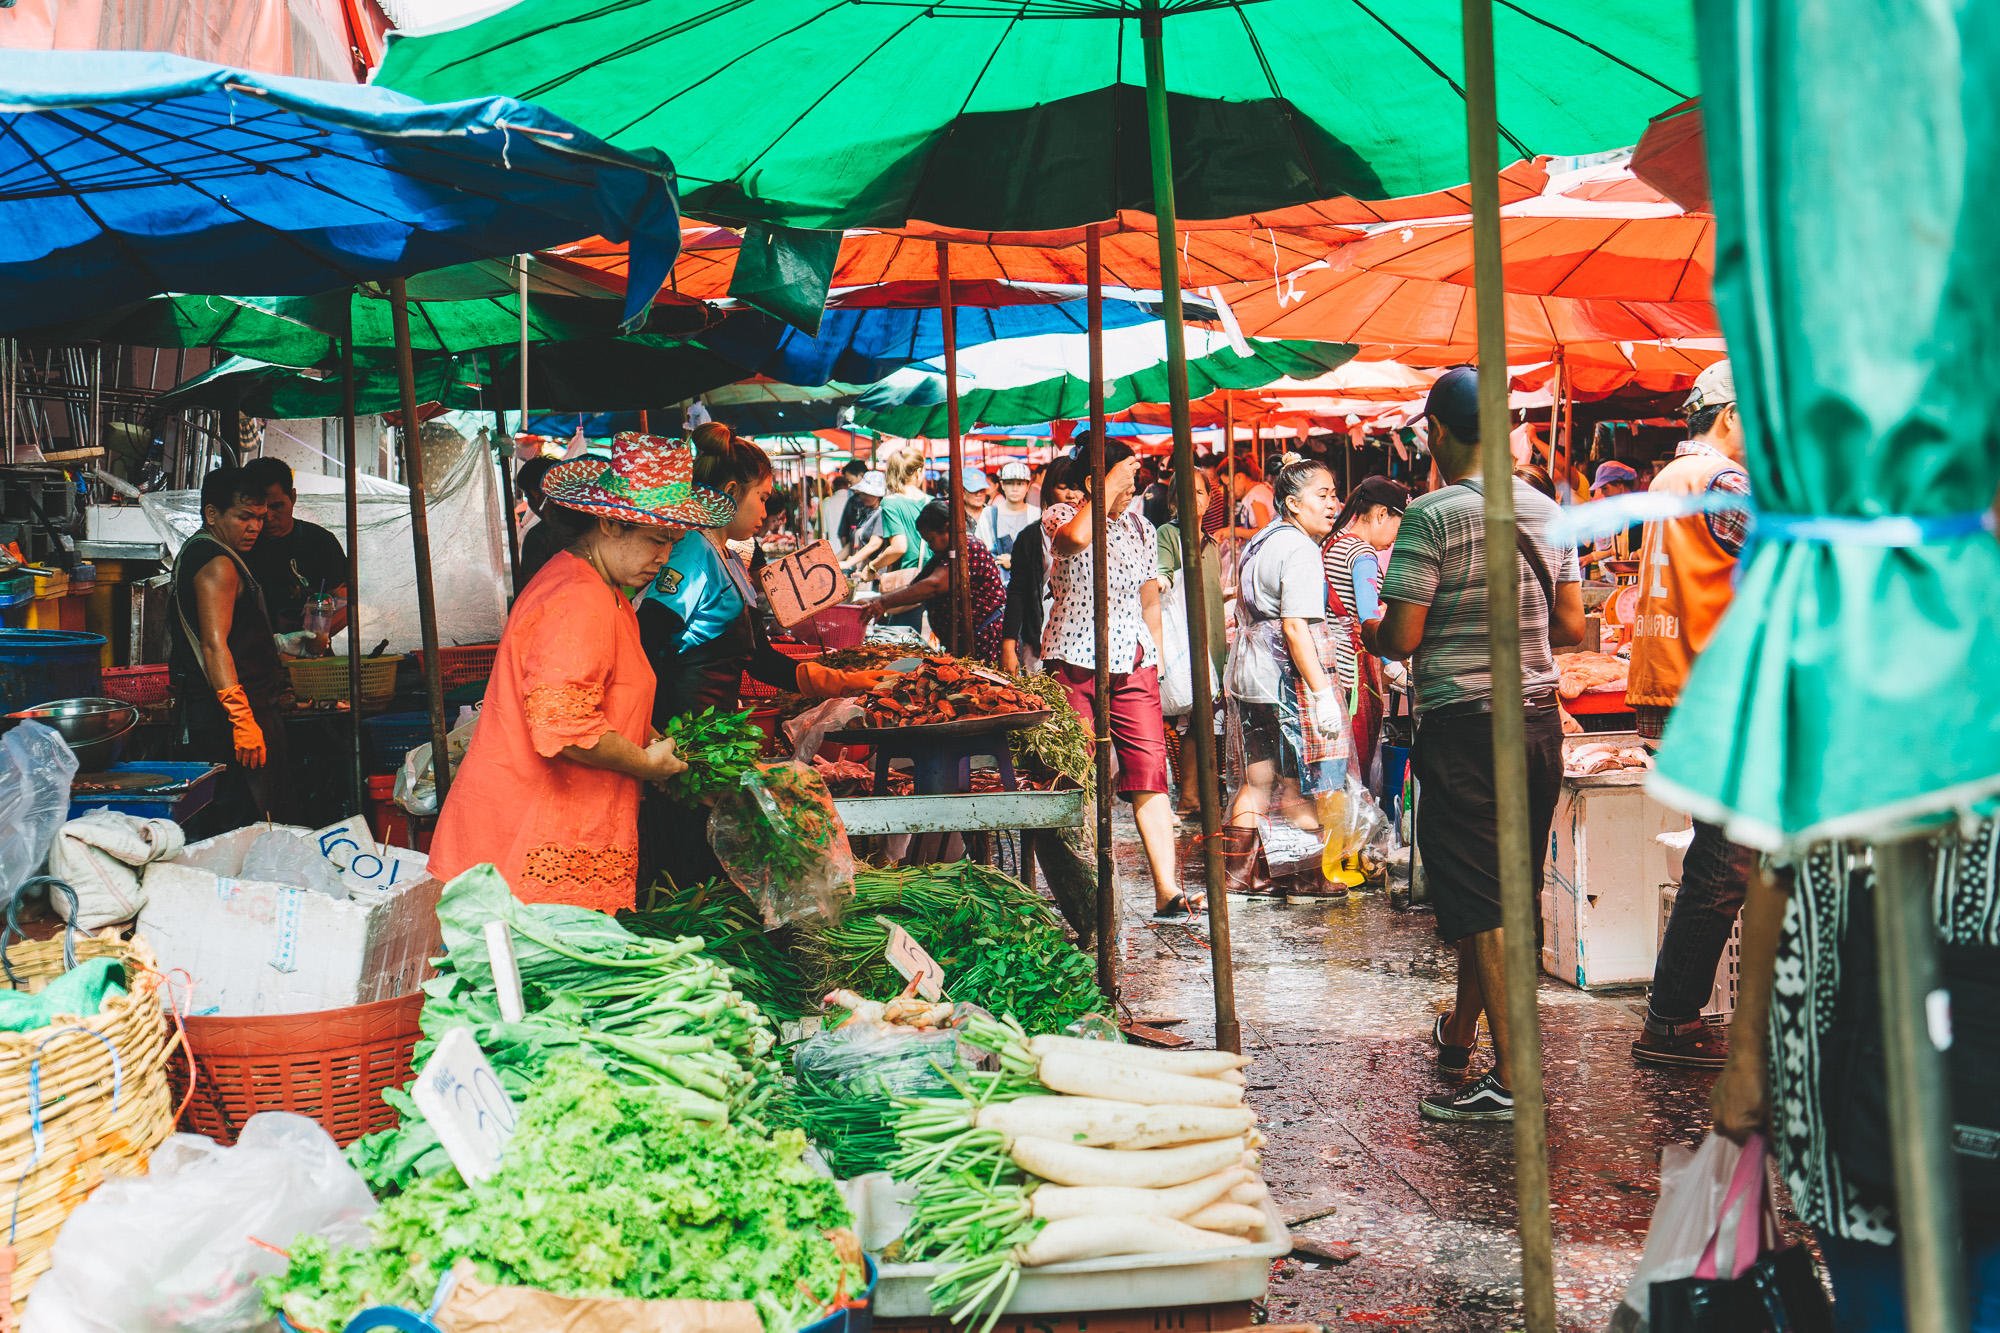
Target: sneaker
column 1454, row 1062
column 1693, row 1045
column 1484, row 1100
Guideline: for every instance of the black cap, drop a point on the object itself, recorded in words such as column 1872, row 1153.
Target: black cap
column 1372, row 491
column 1454, row 400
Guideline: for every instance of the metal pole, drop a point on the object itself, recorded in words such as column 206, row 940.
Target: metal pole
column 521, row 290
column 1229, row 457
column 1510, row 754
column 420, row 537
column 1906, row 950
column 1100, row 584
column 97, row 395
column 1228, row 1035
column 960, row 636
column 507, row 493
column 350, row 448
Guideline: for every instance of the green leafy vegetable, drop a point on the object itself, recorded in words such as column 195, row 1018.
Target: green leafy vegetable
column 716, row 747
column 604, row 1191
column 734, row 934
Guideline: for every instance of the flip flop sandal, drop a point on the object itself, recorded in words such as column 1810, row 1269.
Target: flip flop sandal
column 1453, row 1061
column 1175, row 909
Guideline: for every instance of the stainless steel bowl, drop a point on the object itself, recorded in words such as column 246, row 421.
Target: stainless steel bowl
column 94, row 729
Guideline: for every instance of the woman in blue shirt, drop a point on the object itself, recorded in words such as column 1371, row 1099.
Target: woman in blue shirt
column 699, row 621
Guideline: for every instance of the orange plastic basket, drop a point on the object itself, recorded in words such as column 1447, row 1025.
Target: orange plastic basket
column 137, row 685
column 331, row 1065
column 463, row 664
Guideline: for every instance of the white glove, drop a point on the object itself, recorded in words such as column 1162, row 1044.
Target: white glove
column 1326, row 712
column 1396, row 674
column 301, row 643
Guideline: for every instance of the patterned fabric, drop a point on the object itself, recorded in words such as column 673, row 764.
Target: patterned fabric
column 1134, row 561
column 1805, row 996
column 565, row 714
column 600, row 878
column 1731, row 527
column 569, row 669
column 648, row 480
column 989, row 600
column 1440, row 562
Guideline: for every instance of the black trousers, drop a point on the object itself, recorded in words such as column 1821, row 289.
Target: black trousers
column 1458, row 820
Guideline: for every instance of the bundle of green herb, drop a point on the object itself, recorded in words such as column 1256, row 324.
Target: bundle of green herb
column 604, row 1191
column 647, row 1012
column 716, row 747
column 733, row 934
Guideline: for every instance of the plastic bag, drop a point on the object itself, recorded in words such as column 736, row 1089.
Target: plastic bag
column 35, row 772
column 280, row 858
column 781, row 839
column 1693, row 1182
column 849, row 1080
column 806, row 733
column 1352, row 824
column 1176, row 667
column 177, row 1250
column 416, row 785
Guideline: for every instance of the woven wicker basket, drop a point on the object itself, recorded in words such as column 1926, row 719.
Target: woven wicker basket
column 87, row 1132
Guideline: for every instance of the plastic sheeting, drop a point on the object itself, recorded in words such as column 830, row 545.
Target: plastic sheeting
column 468, row 544
column 306, row 38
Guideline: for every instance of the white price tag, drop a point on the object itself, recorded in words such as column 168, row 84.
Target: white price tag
column 341, row 843
column 506, row 972
column 461, row 1097
column 908, row 957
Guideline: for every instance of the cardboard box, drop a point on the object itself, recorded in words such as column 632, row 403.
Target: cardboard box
column 259, row 948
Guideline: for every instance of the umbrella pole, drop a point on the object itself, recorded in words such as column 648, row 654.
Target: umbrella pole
column 1229, row 456
column 507, row 494
column 960, row 636
column 1100, row 584
column 1228, row 1035
column 1555, row 418
column 420, row 538
column 1510, row 755
column 353, row 488
column 1920, row 1132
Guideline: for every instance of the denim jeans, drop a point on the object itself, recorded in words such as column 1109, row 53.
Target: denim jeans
column 1714, row 876
column 1868, row 1283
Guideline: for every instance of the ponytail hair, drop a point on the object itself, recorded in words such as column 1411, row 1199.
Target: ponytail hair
column 1292, row 478
column 723, row 458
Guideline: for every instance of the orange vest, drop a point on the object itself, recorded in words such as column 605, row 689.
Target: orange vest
column 1685, row 584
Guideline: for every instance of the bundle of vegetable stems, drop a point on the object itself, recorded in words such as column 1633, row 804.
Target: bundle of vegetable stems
column 1148, row 1151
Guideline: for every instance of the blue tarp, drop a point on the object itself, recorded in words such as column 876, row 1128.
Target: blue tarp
column 124, row 174
column 862, row 346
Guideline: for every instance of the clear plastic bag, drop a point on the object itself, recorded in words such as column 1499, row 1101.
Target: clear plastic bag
column 35, row 772
column 177, row 1251
column 782, row 841
column 806, row 733
column 1693, row 1182
column 281, row 858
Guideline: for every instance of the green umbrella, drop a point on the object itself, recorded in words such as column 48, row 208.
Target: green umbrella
column 1019, row 381
column 1030, row 115
column 598, row 375
column 1850, row 690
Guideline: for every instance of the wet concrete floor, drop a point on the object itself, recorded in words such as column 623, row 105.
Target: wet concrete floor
column 1336, row 1003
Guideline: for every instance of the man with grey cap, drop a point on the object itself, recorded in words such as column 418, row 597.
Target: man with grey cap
column 1687, row 577
column 1434, row 610
column 1003, row 520
column 865, row 533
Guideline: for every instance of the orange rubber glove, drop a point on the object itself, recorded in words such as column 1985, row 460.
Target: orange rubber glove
column 247, row 735
column 822, row 682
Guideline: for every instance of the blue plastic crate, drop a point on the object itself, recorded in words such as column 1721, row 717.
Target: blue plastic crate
column 175, row 805
column 395, row 735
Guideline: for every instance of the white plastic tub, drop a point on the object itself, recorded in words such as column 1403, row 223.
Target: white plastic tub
column 1122, row 1282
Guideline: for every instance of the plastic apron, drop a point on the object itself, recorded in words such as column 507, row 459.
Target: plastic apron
column 1270, row 710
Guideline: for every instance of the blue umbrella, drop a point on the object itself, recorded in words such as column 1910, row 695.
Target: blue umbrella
column 124, row 174
column 862, row 346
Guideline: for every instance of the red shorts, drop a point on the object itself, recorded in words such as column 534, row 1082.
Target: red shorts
column 1138, row 729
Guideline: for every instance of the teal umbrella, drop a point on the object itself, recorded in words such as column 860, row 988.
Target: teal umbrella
column 1019, row 381
column 1030, row 115
column 1850, row 690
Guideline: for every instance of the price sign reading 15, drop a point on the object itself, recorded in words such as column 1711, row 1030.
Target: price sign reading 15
column 803, row 583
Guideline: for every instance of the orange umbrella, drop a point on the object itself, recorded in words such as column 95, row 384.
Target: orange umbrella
column 1645, row 257
column 1686, row 358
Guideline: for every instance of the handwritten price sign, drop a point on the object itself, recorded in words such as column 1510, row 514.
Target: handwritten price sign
column 803, row 583
column 461, row 1096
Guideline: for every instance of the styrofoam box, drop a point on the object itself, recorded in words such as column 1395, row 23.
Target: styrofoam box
column 1121, row 1282
column 1722, row 998
column 258, row 948
column 1601, row 893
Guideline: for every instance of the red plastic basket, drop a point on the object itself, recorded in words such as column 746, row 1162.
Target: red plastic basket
column 466, row 664
column 136, row 685
column 331, row 1065
column 840, row 627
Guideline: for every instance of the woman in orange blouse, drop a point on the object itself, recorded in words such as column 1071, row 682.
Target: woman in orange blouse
column 549, row 790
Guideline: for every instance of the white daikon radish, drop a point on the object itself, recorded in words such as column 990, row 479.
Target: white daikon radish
column 1194, row 1063
column 1086, row 1076
column 1235, row 1218
column 1252, row 1192
column 1076, row 1238
column 1098, row 1123
column 1230, row 1076
column 1053, row 1202
column 1156, row 1168
column 1255, row 1139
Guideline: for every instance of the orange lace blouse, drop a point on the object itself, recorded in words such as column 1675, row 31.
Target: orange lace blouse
column 569, row 669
